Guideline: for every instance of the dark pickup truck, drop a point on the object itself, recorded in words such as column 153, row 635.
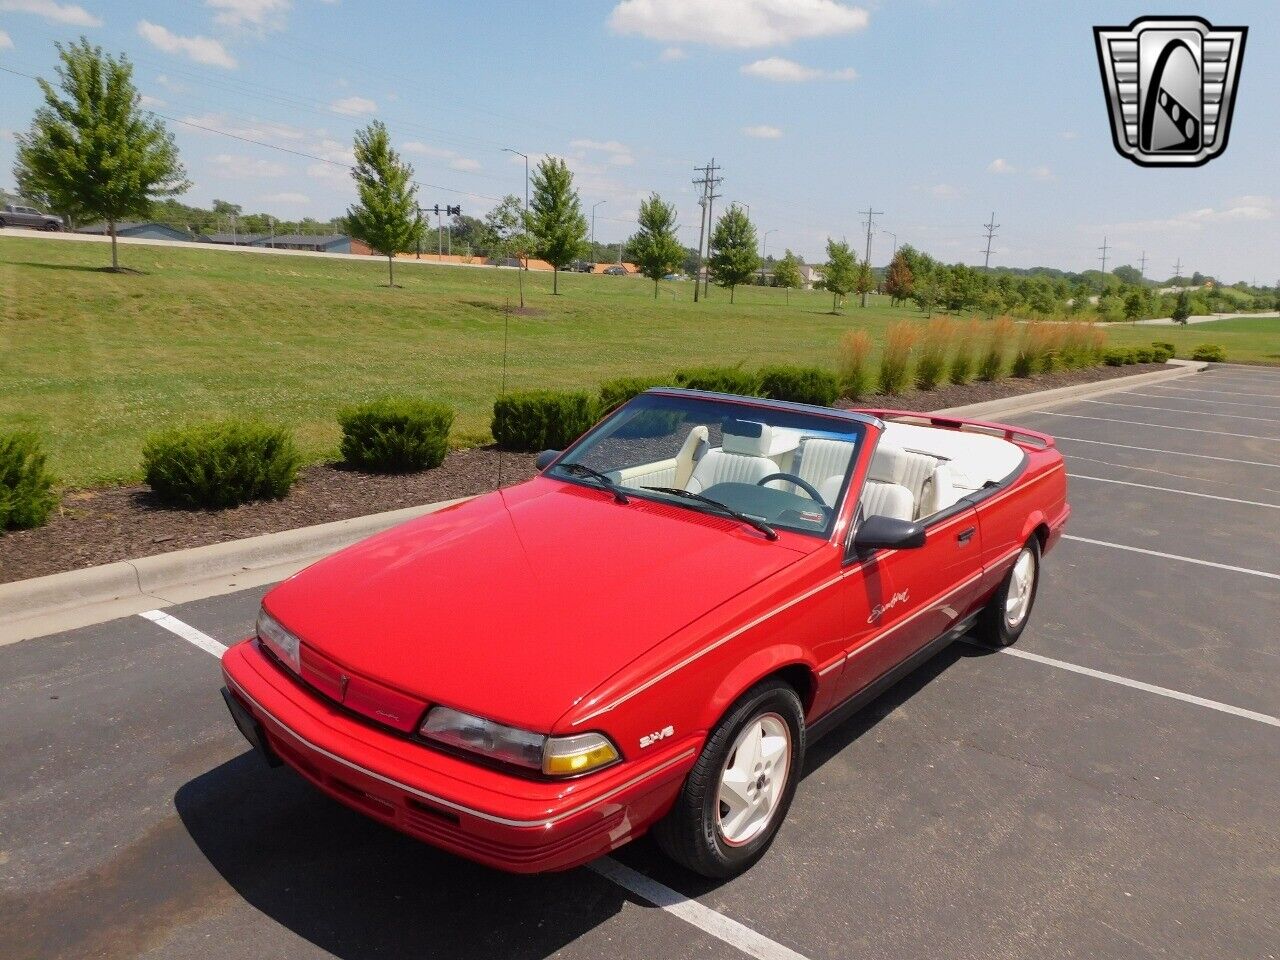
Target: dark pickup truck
column 12, row 215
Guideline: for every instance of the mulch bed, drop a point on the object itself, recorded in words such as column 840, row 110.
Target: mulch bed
column 102, row 525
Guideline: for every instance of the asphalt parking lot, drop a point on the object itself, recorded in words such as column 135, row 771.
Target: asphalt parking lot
column 1110, row 790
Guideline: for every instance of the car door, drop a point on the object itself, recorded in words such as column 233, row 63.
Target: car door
column 898, row 601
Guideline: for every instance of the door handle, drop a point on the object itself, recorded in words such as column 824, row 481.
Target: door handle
column 964, row 536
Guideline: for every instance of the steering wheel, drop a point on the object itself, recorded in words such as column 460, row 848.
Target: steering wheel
column 804, row 485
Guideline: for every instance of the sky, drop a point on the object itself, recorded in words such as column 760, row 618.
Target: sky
column 936, row 113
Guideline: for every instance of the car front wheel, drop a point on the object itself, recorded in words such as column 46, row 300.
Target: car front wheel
column 738, row 793
column 1006, row 615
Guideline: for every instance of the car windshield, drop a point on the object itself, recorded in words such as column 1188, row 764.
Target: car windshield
column 778, row 467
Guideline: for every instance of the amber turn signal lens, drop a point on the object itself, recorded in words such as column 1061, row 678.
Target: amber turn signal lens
column 566, row 756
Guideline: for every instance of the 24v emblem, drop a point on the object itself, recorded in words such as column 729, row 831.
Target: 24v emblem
column 1171, row 88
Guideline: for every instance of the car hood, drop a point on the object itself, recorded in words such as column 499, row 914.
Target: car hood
column 517, row 604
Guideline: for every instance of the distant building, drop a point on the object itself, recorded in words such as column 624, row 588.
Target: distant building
column 316, row 243
column 143, row 230
column 239, row 239
column 810, row 274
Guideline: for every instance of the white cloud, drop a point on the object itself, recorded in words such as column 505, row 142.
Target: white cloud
column 1247, row 208
column 286, row 197
column 781, row 70
column 353, row 106
column 70, row 14
column 251, row 130
column 762, row 132
column 328, row 173
column 1041, row 172
column 944, row 191
column 6, row 42
column 672, row 53
column 736, row 23
column 1001, row 165
column 259, row 15
column 200, row 49
column 464, row 163
column 622, row 160
column 234, row 166
column 1068, row 135
column 150, row 102
column 606, row 146
column 426, row 150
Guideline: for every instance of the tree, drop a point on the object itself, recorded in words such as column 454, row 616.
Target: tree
column 506, row 223
column 898, row 282
column 387, row 217
column 925, row 295
column 555, row 219
column 841, row 271
column 1134, row 304
column 1128, row 274
column 92, row 153
column 733, row 250
column 1181, row 309
column 865, row 281
column 786, row 273
column 655, row 246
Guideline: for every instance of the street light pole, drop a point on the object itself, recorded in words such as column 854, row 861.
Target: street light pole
column 764, row 252
column 595, row 255
column 524, row 261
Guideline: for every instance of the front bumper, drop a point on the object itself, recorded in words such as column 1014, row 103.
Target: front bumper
column 486, row 815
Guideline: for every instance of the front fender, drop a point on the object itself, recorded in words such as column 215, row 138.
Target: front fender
column 751, row 671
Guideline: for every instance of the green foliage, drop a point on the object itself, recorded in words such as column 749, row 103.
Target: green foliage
column 799, row 385
column 1160, row 352
column 395, row 434
column 615, row 392
column 1143, row 354
column 1118, row 356
column 733, row 250
column 542, row 419
column 841, row 271
column 387, row 217
column 786, row 272
column 92, row 153
column 931, row 359
column 1165, row 345
column 26, row 487
column 655, row 247
column 733, row 380
column 1181, row 309
column 895, row 358
column 854, row 364
column 961, row 369
column 220, row 465
column 555, row 219
column 899, row 282
column 1210, row 352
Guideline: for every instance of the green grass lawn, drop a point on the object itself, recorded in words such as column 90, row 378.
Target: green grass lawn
column 1246, row 339
column 94, row 361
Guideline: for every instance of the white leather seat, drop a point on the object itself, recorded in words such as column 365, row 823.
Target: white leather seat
column 883, row 496
column 939, row 492
column 823, row 463
column 742, row 457
column 691, row 453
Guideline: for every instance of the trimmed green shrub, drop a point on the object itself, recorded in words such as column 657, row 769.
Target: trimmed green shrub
column 1160, row 352
column 1024, row 362
column 719, row 380
column 1210, row 352
column 542, row 419
column 1166, row 345
column 616, row 392
column 26, row 487
column 1117, row 356
column 800, row 385
column 1143, row 354
column 220, row 465
column 395, row 434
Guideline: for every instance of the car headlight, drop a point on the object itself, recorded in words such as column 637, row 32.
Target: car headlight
column 554, row 756
column 281, row 642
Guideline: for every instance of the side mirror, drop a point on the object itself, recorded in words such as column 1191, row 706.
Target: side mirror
column 877, row 533
column 546, row 458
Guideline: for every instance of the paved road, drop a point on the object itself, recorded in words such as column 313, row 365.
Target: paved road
column 991, row 806
column 1169, row 321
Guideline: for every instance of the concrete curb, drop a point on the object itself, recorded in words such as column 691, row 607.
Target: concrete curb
column 1039, row 400
column 62, row 600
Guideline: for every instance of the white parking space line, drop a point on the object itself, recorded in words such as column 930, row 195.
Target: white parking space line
column 1226, row 393
column 1162, row 473
column 1158, row 426
column 692, row 912
column 1136, row 684
column 186, row 632
column 1194, row 413
column 1176, row 453
column 1185, row 493
column 1173, row 556
column 1216, row 403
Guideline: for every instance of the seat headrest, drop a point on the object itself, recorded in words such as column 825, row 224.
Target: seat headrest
column 747, row 438
column 887, row 464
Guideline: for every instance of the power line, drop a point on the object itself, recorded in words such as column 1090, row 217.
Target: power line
column 708, row 182
column 871, row 215
column 991, row 232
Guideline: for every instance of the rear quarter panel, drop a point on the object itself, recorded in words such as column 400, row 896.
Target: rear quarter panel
column 1035, row 500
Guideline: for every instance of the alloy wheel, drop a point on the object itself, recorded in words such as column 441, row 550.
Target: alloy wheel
column 753, row 779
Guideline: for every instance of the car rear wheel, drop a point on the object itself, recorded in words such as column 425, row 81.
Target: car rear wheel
column 1006, row 615
column 53, row 227
column 738, row 793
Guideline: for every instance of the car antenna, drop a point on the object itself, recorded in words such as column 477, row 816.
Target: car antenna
column 502, row 390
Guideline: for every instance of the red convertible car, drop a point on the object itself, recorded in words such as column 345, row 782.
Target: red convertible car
column 647, row 634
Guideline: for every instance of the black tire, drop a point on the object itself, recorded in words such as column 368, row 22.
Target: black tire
column 993, row 625
column 691, row 834
column 2, row 223
column 53, row 227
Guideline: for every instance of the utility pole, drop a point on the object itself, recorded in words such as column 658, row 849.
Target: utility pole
column 708, row 182
column 764, row 253
column 1142, row 266
column 594, row 253
column 1104, row 248
column 991, row 233
column 871, row 216
column 1177, row 272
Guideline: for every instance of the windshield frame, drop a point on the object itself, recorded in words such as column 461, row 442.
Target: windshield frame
column 854, row 424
